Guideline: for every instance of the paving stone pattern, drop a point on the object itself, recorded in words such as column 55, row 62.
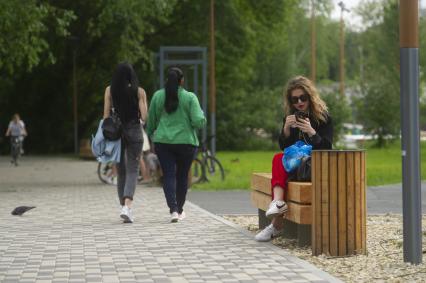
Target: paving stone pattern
column 75, row 235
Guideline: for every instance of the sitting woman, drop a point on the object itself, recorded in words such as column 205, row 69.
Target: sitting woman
column 316, row 129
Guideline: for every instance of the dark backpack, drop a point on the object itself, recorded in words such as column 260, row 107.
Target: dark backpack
column 302, row 173
column 111, row 127
column 304, row 170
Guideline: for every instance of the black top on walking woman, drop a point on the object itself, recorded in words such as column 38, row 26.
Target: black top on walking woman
column 129, row 101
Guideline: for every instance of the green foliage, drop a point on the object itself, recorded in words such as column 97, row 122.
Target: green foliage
column 259, row 46
column 23, row 26
column 383, row 167
column 378, row 106
column 340, row 112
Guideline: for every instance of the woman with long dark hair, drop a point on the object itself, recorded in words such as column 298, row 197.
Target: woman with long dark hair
column 175, row 116
column 129, row 101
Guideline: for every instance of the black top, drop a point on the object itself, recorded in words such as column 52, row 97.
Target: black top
column 323, row 139
column 127, row 105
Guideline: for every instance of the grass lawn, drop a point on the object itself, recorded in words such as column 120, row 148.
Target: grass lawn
column 383, row 167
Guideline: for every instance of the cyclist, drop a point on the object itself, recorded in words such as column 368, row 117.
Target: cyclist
column 16, row 129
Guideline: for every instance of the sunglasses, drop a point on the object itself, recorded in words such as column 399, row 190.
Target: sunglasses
column 302, row 98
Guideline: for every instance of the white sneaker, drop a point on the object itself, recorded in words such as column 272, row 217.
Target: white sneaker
column 276, row 207
column 126, row 214
column 175, row 217
column 182, row 216
column 268, row 234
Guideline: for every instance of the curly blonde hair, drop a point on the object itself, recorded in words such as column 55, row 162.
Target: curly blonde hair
column 317, row 108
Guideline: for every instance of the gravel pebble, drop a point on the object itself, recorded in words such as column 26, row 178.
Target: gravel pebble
column 383, row 262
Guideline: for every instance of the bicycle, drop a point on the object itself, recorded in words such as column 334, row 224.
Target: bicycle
column 106, row 172
column 15, row 149
column 207, row 168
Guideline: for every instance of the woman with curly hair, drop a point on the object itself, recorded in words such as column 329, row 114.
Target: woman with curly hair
column 306, row 119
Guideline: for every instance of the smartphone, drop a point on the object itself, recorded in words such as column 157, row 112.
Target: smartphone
column 300, row 115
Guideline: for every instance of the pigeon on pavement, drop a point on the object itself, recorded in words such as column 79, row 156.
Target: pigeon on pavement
column 21, row 210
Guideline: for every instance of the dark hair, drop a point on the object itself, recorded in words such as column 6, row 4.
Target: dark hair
column 174, row 78
column 124, row 91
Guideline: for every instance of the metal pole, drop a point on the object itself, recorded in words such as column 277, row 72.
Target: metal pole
column 410, row 145
column 204, row 100
column 361, row 64
column 313, row 43
column 75, row 112
column 161, row 67
column 342, row 52
column 196, row 80
column 212, row 81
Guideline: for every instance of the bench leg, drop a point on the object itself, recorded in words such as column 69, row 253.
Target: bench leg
column 290, row 230
column 263, row 220
column 301, row 232
column 303, row 235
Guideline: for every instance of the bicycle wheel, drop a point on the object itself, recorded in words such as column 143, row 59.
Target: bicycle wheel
column 213, row 169
column 196, row 173
column 105, row 172
column 15, row 152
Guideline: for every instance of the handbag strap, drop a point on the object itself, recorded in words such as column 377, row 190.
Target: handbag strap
column 113, row 112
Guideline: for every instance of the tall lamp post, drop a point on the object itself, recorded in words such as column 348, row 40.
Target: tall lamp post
column 342, row 48
column 313, row 43
column 74, row 42
column 212, row 82
column 410, row 145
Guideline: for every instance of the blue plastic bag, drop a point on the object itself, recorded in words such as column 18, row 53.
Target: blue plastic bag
column 293, row 155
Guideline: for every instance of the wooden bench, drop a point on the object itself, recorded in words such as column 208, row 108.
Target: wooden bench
column 330, row 212
column 298, row 219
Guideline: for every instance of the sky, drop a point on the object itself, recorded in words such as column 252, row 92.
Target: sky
column 350, row 18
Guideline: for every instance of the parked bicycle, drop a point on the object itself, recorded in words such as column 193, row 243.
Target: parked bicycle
column 106, row 171
column 206, row 167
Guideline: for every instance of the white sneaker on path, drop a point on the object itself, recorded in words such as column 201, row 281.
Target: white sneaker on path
column 268, row 234
column 174, row 217
column 126, row 214
column 182, row 216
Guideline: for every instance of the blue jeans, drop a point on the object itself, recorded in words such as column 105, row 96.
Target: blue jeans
column 128, row 168
column 175, row 161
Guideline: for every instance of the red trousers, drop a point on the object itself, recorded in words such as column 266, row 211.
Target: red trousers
column 279, row 175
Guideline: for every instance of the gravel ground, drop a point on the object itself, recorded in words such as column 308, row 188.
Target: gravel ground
column 383, row 263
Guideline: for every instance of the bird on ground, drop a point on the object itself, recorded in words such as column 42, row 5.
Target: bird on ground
column 21, row 210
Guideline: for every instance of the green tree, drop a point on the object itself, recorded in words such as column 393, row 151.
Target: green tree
column 23, row 26
column 378, row 107
column 107, row 32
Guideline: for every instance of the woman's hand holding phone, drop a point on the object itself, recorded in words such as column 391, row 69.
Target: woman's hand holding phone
column 305, row 126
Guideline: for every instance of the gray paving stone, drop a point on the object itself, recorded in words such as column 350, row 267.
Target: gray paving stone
column 70, row 243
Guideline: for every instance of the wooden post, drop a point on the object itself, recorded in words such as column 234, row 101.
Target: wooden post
column 338, row 202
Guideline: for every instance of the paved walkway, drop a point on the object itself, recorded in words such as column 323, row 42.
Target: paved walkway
column 75, row 235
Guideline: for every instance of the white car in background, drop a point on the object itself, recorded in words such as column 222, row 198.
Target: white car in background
column 354, row 136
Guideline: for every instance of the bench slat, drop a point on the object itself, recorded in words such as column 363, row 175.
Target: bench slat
column 261, row 182
column 298, row 213
column 300, row 192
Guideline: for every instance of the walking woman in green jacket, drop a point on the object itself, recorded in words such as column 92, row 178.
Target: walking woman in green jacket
column 174, row 117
